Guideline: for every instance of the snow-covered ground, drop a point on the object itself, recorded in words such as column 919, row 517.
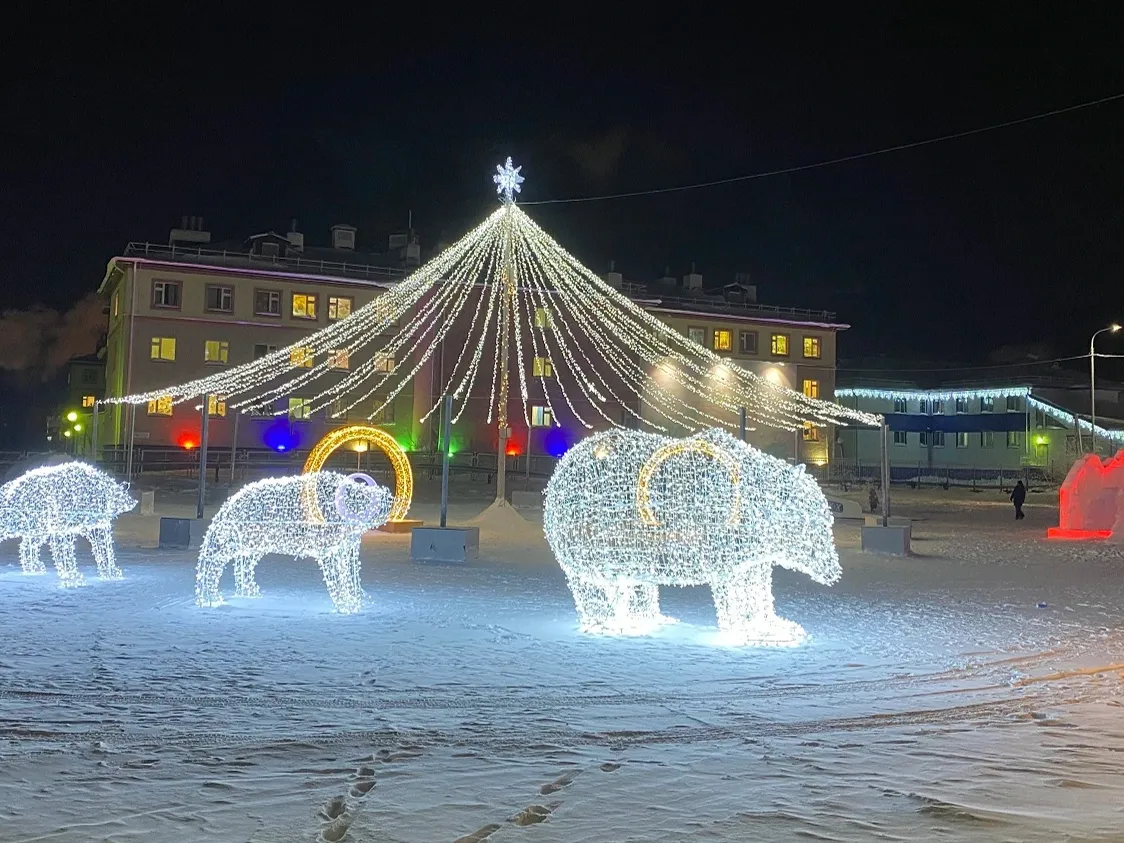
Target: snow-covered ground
column 934, row 699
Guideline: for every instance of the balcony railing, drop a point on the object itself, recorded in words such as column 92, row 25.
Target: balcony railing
column 289, row 263
column 647, row 294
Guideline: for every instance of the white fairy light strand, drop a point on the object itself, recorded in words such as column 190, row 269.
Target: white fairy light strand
column 271, row 516
column 626, row 512
column 56, row 504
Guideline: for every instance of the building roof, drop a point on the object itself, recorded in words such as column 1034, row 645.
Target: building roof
column 669, row 298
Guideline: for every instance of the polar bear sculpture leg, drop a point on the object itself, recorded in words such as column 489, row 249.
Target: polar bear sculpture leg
column 30, row 562
column 245, row 585
column 618, row 606
column 101, row 543
column 207, row 575
column 744, row 604
column 66, row 565
column 340, row 567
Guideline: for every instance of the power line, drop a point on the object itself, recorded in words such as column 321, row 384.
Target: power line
column 842, row 160
column 972, row 368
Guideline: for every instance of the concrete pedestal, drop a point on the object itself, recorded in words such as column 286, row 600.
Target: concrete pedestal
column 406, row 525
column 889, row 540
column 444, row 544
column 526, row 500
column 892, row 521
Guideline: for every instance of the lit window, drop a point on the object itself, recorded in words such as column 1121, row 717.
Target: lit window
column 901, row 437
column 987, row 405
column 987, row 439
column 220, row 298
column 723, row 340
column 261, row 350
column 163, row 348
column 540, row 416
column 161, row 406
column 88, row 400
column 301, row 357
column 812, row 348
column 216, row 406
column 384, row 363
column 304, row 306
column 542, row 368
column 811, row 389
column 216, row 351
column 339, row 307
column 165, row 293
column 697, row 335
column 900, row 405
column 339, row 359
column 1014, row 437
column 778, row 345
column 811, row 432
column 747, row 342
column 300, row 409
column 962, row 439
column 542, row 317
column 267, row 302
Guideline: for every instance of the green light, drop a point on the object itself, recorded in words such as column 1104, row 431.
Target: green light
column 66, row 433
column 72, row 416
column 1040, row 440
column 77, row 428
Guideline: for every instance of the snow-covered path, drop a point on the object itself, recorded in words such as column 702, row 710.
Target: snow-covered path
column 935, row 695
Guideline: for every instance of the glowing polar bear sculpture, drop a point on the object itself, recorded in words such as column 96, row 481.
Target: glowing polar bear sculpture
column 626, row 512
column 322, row 515
column 55, row 504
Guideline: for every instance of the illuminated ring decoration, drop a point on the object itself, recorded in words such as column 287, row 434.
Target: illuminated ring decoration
column 403, row 475
column 673, row 449
column 363, row 515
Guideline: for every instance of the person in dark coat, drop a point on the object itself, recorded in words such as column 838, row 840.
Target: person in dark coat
column 1018, row 496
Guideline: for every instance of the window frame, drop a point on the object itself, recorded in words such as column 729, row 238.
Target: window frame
column 904, row 405
column 216, row 407
column 742, row 335
column 269, row 349
column 228, row 289
column 334, row 306
column 309, row 298
column 154, row 407
column 962, row 437
column 383, row 362
column 815, row 388
column 773, row 345
column 987, row 438
column 339, row 359
column 270, row 291
column 304, row 412
column 811, row 433
column 386, row 414
column 542, row 318
column 223, row 349
column 1017, row 443
column 164, row 284
column 545, row 417
column 723, row 333
column 1017, row 406
column 905, row 437
column 701, row 329
column 817, row 345
column 306, row 358
column 960, row 405
column 159, row 357
column 89, row 401
column 989, row 406
column 542, row 367
column 938, row 438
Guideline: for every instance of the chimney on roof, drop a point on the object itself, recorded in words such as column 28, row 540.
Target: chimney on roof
column 190, row 231
column 295, row 238
column 692, row 280
column 343, row 237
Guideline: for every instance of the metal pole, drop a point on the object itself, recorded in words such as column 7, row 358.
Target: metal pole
column 1093, row 391
column 234, row 446
column 131, row 427
column 885, row 474
column 527, row 476
column 506, row 299
column 796, row 447
column 94, row 434
column 741, row 421
column 446, row 444
column 203, row 457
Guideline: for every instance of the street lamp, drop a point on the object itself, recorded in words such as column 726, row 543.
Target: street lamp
column 1111, row 329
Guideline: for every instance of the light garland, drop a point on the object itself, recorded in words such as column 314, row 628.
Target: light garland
column 890, row 393
column 55, row 504
column 399, row 462
column 611, row 360
column 627, row 512
column 269, row 516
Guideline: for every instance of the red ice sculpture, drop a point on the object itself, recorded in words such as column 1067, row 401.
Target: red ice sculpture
column 1090, row 505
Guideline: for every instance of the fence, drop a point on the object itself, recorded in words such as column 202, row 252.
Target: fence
column 850, row 473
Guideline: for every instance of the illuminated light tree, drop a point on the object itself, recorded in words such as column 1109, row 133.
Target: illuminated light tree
column 321, row 515
column 507, row 283
column 56, row 504
column 627, row 512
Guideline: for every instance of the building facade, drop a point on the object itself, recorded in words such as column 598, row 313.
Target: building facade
column 179, row 312
column 960, row 430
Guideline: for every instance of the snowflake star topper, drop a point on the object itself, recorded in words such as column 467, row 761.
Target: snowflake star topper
column 507, row 180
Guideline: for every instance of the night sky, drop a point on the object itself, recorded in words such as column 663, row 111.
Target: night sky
column 114, row 128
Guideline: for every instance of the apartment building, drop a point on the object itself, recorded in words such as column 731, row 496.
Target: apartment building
column 180, row 311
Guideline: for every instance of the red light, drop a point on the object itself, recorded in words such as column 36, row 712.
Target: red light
column 1087, row 499
column 513, row 449
column 187, row 445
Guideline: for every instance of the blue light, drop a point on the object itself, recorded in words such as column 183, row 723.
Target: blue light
column 281, row 437
column 555, row 442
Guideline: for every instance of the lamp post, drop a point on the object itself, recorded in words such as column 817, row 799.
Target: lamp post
column 1111, row 329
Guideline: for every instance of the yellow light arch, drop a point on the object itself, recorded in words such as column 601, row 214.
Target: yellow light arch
column 673, row 449
column 403, row 475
